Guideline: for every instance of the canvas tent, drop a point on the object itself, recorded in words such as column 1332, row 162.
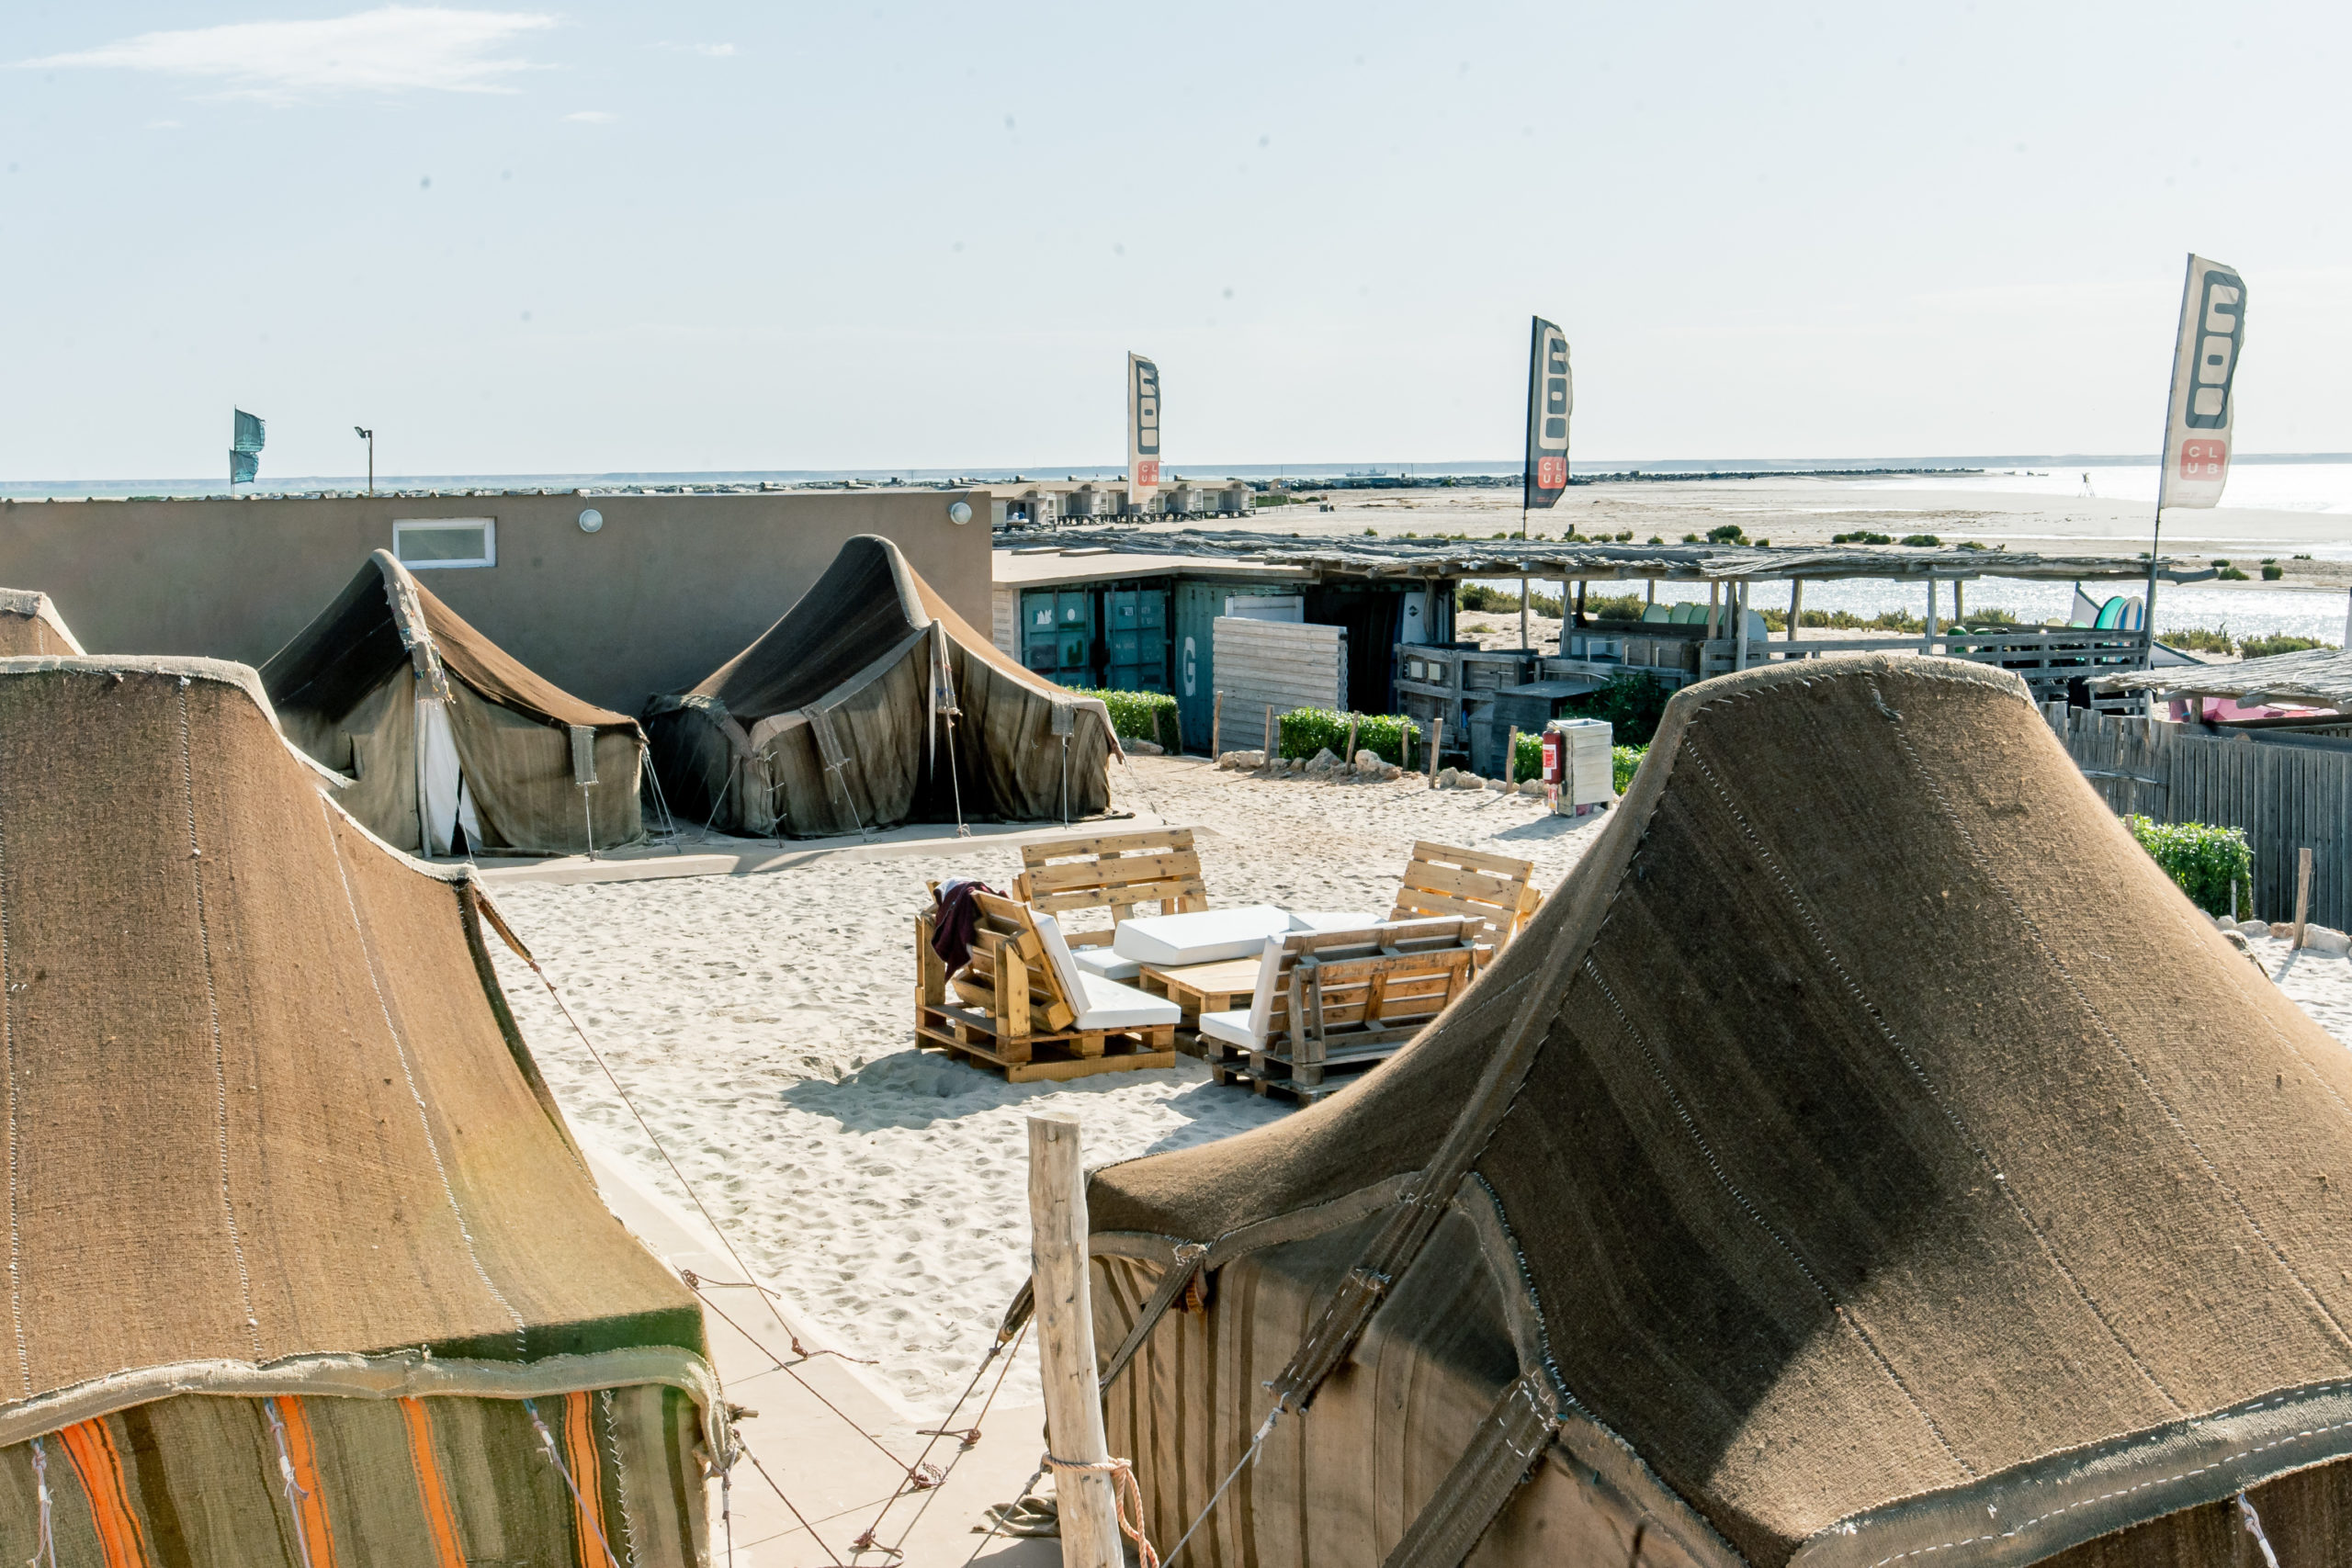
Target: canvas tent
column 839, row 718
column 1866, row 1157
column 303, row 1260
column 441, row 730
column 29, row 625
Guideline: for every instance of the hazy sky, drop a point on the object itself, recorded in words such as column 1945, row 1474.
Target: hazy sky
column 690, row 236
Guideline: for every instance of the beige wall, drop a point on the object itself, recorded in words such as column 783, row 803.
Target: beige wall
column 667, row 590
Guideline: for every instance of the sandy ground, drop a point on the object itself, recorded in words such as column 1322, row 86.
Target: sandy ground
column 763, row 1024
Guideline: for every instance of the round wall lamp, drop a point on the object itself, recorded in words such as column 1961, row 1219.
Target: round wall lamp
column 591, row 520
column 960, row 512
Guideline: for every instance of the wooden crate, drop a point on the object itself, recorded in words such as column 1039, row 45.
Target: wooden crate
column 969, row 1035
column 1008, row 1013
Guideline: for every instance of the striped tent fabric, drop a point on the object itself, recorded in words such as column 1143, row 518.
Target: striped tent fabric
column 304, row 1265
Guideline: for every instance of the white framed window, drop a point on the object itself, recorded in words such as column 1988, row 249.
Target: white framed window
column 428, row 543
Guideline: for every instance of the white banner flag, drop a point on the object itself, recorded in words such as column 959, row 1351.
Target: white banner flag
column 1143, row 430
column 2204, row 366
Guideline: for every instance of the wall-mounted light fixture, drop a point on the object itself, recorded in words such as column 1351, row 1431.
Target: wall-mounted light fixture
column 960, row 512
column 591, row 520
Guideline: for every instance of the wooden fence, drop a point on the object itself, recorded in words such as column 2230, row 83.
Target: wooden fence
column 1277, row 664
column 2289, row 794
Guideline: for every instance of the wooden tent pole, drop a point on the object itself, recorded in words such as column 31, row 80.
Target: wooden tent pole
column 1087, row 1498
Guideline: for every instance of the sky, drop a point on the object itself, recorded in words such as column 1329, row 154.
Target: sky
column 709, row 236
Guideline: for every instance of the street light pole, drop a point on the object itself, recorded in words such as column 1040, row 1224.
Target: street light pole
column 369, row 436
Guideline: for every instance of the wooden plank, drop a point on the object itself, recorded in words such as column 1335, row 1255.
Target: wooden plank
column 1166, row 867
column 1178, row 891
column 1475, row 860
column 1036, row 855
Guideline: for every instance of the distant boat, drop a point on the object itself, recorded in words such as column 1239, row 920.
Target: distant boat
column 1368, row 474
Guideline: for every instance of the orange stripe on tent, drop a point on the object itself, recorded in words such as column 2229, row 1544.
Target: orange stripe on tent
column 318, row 1536
column 97, row 1463
column 430, row 1490
column 580, row 1446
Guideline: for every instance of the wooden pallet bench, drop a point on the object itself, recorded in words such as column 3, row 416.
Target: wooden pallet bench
column 1497, row 892
column 1022, row 1006
column 1118, row 871
column 1330, row 1003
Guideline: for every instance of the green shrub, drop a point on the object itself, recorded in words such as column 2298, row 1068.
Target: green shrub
column 1504, row 601
column 1861, row 537
column 2264, row 647
column 1624, row 761
column 1925, row 541
column 1727, row 533
column 2205, row 859
column 1137, row 715
column 2231, row 574
column 1632, row 702
column 1615, row 606
column 2272, row 571
column 1304, row 731
column 2197, row 639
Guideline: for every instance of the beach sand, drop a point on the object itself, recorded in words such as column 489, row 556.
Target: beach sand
column 765, row 1026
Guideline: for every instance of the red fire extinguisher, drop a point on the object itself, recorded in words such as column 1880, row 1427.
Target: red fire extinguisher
column 1555, row 757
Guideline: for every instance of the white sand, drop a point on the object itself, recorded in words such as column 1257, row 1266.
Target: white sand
column 764, row 1025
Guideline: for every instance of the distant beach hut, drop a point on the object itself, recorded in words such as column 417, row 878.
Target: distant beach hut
column 1866, row 1157
column 871, row 703
column 304, row 1267
column 446, row 737
column 29, row 625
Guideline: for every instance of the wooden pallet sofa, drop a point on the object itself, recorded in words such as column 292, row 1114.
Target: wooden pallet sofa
column 1443, row 882
column 1338, row 1002
column 1024, row 1006
column 1118, row 871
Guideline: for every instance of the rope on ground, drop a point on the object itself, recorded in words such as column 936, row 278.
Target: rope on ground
column 2253, row 1522
column 995, row 1516
column 786, row 1367
column 831, row 1555
column 1123, row 1487
column 652, row 1137
column 970, row 1439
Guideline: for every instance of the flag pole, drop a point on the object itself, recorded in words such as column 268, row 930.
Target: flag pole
column 2164, row 478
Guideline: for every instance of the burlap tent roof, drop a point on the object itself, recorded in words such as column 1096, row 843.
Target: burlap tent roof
column 30, row 625
column 1899, row 1164
column 271, row 1127
column 868, row 603
column 385, row 618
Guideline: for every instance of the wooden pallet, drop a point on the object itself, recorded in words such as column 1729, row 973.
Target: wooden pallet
column 1338, row 1076
column 970, row 1035
column 1198, row 989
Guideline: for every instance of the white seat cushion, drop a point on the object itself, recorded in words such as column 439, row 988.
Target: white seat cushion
column 1103, row 962
column 1100, row 1003
column 1110, row 1005
column 1203, row 936
column 1229, row 1028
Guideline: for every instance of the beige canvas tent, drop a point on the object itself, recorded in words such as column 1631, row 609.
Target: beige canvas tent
column 29, row 625
column 1867, row 1158
column 304, row 1266
column 446, row 737
column 839, row 718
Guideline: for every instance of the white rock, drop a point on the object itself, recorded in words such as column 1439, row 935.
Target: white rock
column 2327, row 939
column 1248, row 760
column 1466, row 780
column 1445, row 777
column 1391, row 772
column 1143, row 748
column 1368, row 760
column 1499, row 787
column 2254, row 927
column 2283, row 930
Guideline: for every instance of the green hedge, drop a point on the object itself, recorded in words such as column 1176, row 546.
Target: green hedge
column 1306, row 731
column 1138, row 716
column 1623, row 760
column 2203, row 859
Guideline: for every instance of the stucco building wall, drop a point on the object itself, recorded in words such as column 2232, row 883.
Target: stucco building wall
column 670, row 586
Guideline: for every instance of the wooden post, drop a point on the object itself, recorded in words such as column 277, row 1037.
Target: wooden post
column 1510, row 757
column 1350, row 758
column 1405, row 747
column 1437, row 744
column 2302, row 893
column 1089, row 1503
column 1796, row 606
column 1273, row 742
column 1216, row 727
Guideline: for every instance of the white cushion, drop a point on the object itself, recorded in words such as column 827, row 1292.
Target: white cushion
column 1203, row 936
column 1332, row 921
column 1232, row 1028
column 1103, row 962
column 1110, row 1005
column 1100, row 1003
